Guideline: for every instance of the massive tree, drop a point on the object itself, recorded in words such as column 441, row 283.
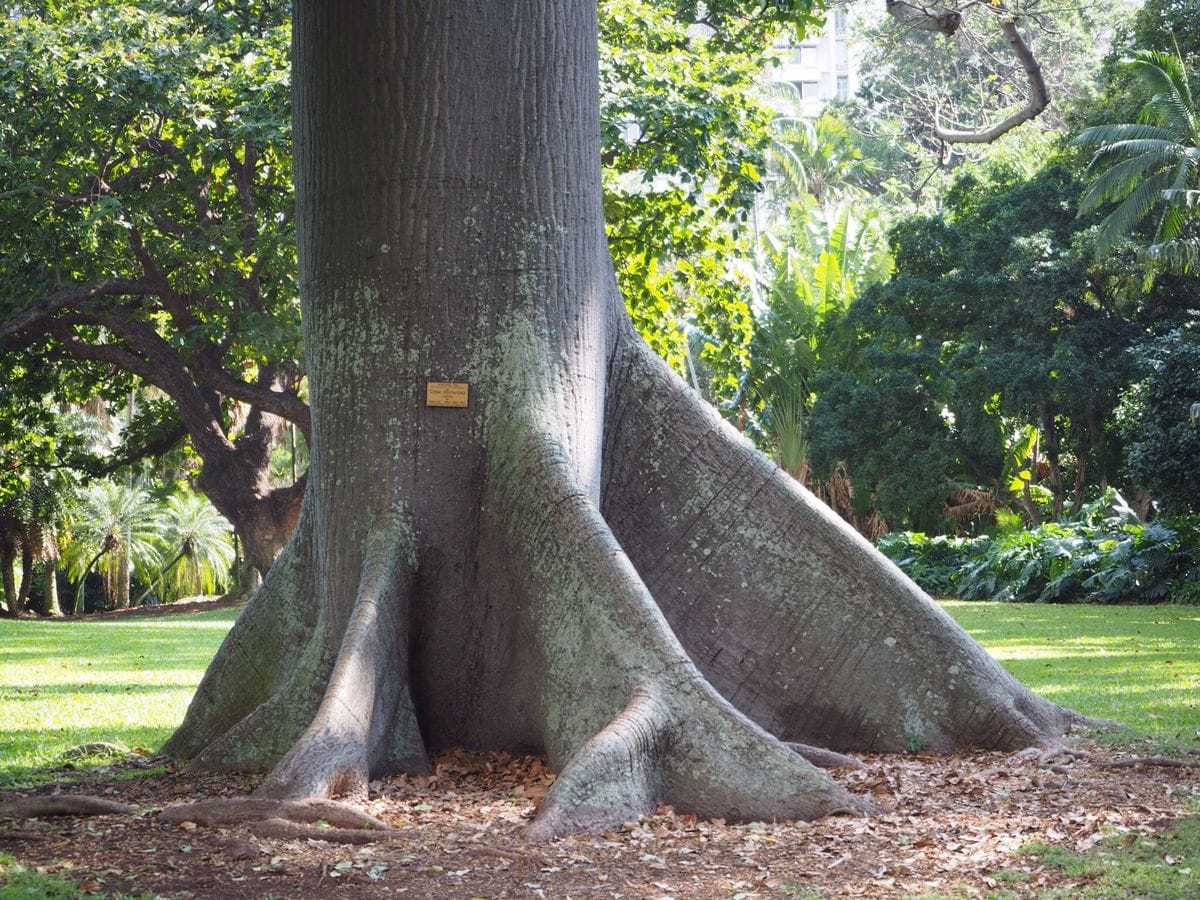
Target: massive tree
column 584, row 559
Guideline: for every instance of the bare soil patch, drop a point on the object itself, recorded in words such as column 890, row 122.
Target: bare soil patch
column 954, row 824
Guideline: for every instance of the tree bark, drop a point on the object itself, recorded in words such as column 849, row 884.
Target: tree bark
column 8, row 559
column 26, row 590
column 486, row 575
column 50, row 605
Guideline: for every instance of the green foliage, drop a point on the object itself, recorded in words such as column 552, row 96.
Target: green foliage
column 149, row 142
column 808, row 273
column 1104, row 556
column 1153, row 164
column 1161, row 420
column 683, row 139
column 997, row 322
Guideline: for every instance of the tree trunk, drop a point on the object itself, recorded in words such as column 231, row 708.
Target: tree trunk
column 8, row 559
column 50, row 605
column 119, row 596
column 26, row 576
column 239, row 487
column 583, row 559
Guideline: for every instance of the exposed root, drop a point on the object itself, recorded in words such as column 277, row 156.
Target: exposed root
column 615, row 777
column 796, row 619
column 825, row 759
column 287, row 830
column 17, row 835
column 1078, row 721
column 634, row 721
column 366, row 722
column 234, row 720
column 62, row 805
column 1134, row 762
column 1054, row 757
column 242, row 810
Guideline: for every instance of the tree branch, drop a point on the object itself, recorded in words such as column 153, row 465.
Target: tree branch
column 1039, row 97
column 286, row 405
column 75, row 296
column 154, row 361
column 945, row 21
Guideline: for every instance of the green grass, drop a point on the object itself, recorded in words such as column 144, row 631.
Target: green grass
column 1139, row 665
column 63, row 684
column 67, row 683
column 16, row 881
column 20, row 883
column 1164, row 866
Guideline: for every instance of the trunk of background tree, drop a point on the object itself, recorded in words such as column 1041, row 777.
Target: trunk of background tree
column 8, row 559
column 50, row 606
column 119, row 598
column 545, row 569
column 26, row 576
column 238, row 484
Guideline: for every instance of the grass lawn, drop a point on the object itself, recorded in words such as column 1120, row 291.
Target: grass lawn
column 67, row 683
column 1136, row 664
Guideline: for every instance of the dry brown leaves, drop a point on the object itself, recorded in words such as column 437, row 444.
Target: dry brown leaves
column 952, row 824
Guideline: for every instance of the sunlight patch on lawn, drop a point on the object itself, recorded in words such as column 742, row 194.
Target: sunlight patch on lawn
column 67, row 683
column 1134, row 664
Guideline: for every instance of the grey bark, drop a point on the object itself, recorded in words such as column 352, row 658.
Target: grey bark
column 50, row 606
column 476, row 576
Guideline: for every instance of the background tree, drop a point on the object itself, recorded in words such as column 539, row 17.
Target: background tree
column 915, row 81
column 147, row 227
column 1162, row 420
column 113, row 530
column 196, row 544
column 997, row 321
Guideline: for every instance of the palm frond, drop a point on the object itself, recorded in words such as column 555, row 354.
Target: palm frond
column 1180, row 257
column 1099, row 135
column 1166, row 76
column 1122, row 220
column 1119, row 180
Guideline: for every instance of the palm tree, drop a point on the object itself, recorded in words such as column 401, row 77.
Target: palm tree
column 820, row 158
column 200, row 541
column 113, row 527
column 1153, row 163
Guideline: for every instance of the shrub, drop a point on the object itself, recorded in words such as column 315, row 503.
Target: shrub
column 1105, row 555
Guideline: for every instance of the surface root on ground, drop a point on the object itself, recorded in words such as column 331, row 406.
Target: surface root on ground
column 62, row 805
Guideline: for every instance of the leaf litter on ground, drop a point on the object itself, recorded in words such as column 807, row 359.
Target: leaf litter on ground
column 952, row 825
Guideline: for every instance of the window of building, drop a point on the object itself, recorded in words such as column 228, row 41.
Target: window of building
column 839, row 21
column 843, row 87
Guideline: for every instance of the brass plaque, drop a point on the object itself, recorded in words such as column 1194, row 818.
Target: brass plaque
column 446, row 393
